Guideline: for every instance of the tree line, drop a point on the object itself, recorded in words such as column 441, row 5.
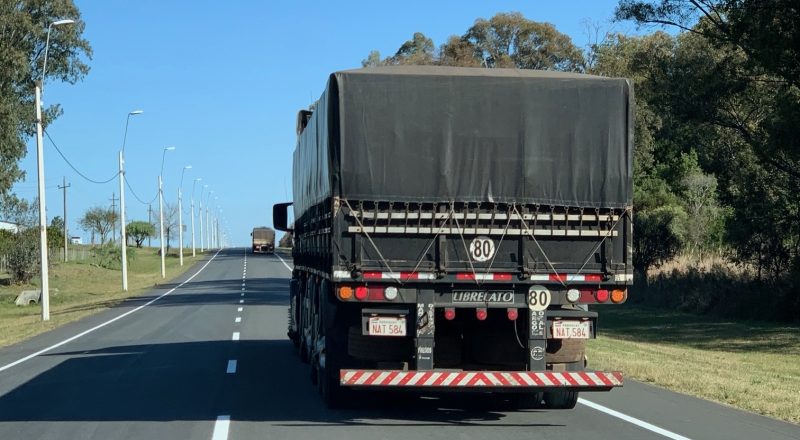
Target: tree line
column 716, row 160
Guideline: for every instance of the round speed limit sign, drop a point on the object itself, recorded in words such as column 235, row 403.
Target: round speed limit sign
column 481, row 249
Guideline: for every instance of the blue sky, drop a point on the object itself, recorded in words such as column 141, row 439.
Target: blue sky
column 222, row 82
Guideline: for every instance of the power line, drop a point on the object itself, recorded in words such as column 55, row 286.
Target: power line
column 73, row 166
column 128, row 184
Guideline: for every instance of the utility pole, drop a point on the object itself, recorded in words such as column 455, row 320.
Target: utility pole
column 113, row 209
column 64, row 186
column 150, row 221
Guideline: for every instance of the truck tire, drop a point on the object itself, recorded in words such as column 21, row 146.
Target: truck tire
column 373, row 348
column 561, row 351
column 560, row 399
column 333, row 393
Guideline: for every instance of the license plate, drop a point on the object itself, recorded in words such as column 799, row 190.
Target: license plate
column 387, row 326
column 571, row 330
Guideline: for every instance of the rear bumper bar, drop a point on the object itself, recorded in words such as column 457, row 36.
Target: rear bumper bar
column 440, row 379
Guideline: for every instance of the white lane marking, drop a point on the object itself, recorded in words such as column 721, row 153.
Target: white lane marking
column 99, row 326
column 238, row 319
column 240, row 309
column 221, row 427
column 241, row 301
column 635, row 421
column 235, row 336
column 242, row 293
column 243, row 289
column 284, row 263
column 231, row 366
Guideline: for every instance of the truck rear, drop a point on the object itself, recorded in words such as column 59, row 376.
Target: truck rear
column 452, row 226
column 263, row 240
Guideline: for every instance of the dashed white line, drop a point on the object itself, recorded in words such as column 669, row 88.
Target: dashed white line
column 238, row 319
column 633, row 420
column 99, row 326
column 242, row 293
column 240, row 309
column 241, row 301
column 221, row 427
column 231, row 366
column 235, row 336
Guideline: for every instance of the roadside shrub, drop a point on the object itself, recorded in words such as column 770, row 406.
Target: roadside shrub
column 23, row 256
column 721, row 292
column 109, row 256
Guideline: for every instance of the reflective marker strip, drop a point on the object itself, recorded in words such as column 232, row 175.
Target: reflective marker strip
column 484, row 276
column 569, row 277
column 467, row 379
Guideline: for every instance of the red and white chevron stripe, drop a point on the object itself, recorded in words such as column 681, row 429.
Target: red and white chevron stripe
column 465, row 379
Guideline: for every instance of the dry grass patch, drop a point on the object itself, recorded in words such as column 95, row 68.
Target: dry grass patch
column 83, row 289
column 749, row 365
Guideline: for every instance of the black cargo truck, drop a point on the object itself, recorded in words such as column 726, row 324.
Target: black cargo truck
column 452, row 226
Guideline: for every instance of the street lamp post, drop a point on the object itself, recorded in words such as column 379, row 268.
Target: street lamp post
column 208, row 223
column 45, row 294
column 193, row 183
column 161, row 210
column 123, row 242
column 202, row 242
column 180, row 213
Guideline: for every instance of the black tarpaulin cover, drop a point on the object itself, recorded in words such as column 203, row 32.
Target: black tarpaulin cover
column 436, row 134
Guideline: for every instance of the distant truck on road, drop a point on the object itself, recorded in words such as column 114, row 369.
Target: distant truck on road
column 263, row 240
column 452, row 226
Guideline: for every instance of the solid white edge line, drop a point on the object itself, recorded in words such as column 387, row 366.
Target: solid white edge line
column 633, row 420
column 284, row 262
column 231, row 366
column 99, row 326
column 221, row 427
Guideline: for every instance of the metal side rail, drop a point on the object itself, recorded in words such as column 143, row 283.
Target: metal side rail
column 579, row 380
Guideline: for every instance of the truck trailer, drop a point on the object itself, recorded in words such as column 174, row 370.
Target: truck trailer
column 263, row 240
column 452, row 226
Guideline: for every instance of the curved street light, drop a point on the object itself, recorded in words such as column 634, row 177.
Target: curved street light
column 45, row 294
column 180, row 214
column 161, row 210
column 123, row 242
column 193, row 183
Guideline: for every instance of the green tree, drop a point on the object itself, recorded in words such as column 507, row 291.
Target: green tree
column 738, row 68
column 505, row 40
column 511, row 40
column 23, row 26
column 55, row 233
column 98, row 220
column 139, row 231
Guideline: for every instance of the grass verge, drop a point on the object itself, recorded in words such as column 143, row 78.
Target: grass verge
column 748, row 365
column 83, row 289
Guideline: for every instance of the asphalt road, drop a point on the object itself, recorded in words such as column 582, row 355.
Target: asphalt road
column 208, row 358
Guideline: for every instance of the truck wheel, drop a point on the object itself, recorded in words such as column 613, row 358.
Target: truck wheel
column 560, row 399
column 333, row 393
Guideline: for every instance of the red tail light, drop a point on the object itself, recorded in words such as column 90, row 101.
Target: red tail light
column 601, row 295
column 361, row 293
column 481, row 314
column 513, row 314
column 449, row 313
